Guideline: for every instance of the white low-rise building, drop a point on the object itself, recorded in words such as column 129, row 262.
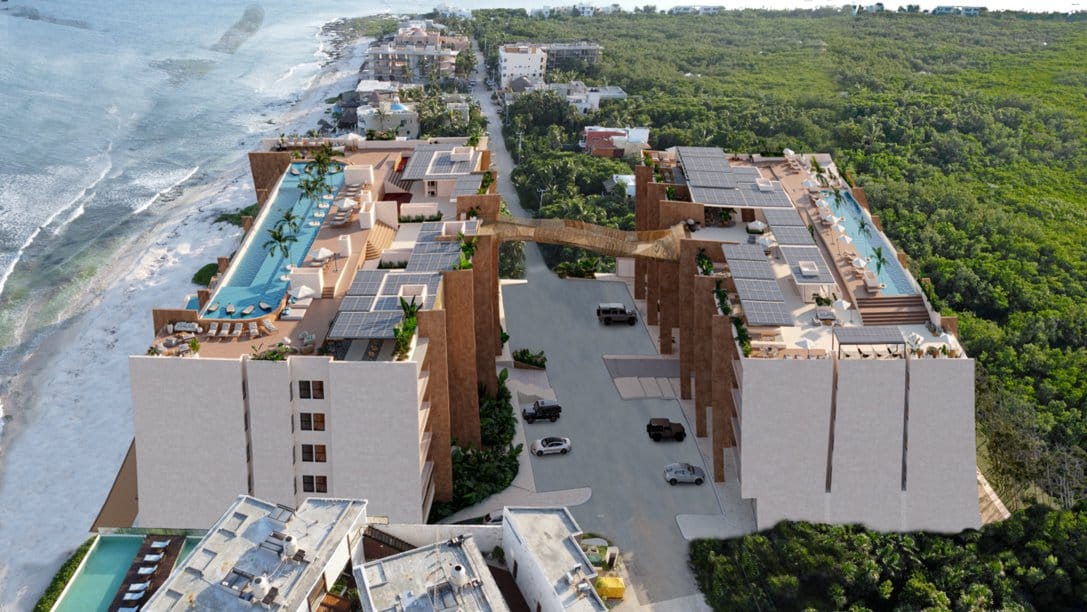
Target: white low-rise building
column 520, row 60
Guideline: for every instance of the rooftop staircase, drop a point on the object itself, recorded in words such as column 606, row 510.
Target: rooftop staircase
column 892, row 310
column 379, row 239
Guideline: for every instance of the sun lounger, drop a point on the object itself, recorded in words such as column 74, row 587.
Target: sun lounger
column 213, row 307
column 251, row 327
column 142, row 586
column 133, row 596
column 265, row 306
column 248, row 310
column 155, row 558
column 302, row 303
column 293, row 314
column 147, row 571
column 224, row 331
column 230, row 309
column 237, row 330
column 213, row 329
column 129, row 609
column 268, row 326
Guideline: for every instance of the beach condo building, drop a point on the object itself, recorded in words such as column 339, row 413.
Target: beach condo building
column 822, row 380
column 340, row 363
column 573, row 55
column 419, row 51
column 520, row 60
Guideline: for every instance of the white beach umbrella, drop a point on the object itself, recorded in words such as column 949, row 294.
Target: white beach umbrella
column 765, row 241
column 859, row 262
column 842, row 304
column 302, row 292
column 757, row 226
column 353, row 137
column 348, row 203
column 914, row 339
column 806, row 343
column 846, row 238
column 322, row 254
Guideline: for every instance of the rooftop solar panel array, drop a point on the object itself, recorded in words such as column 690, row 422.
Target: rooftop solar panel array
column 760, row 290
column 793, row 236
column 875, row 334
column 743, row 252
column 350, row 325
column 367, row 282
column 796, row 255
column 746, row 195
column 783, row 217
column 467, row 185
column 357, row 303
column 758, row 270
column 766, row 313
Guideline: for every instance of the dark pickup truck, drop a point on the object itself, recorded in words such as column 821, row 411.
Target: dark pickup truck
column 542, row 409
column 663, row 428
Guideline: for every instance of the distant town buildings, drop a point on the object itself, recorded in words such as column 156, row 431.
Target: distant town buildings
column 418, row 51
column 695, row 10
column 614, row 142
column 965, row 11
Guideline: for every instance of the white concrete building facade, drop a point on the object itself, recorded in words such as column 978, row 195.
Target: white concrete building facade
column 522, row 60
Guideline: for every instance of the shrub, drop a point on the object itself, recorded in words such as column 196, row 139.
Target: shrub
column 420, row 218
column 62, row 577
column 391, row 265
column 527, row 357
column 204, row 274
column 235, row 218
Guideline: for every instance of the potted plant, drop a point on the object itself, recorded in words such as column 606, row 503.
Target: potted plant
column 933, row 351
column 194, row 346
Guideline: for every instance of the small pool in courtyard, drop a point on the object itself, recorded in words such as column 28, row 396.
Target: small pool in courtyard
column 256, row 275
column 896, row 279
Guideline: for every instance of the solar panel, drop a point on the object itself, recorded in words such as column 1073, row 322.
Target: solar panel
column 428, row 262
column 877, row 334
column 746, row 195
column 743, row 252
column 797, row 236
column 386, row 303
column 357, row 303
column 365, row 324
column 759, row 270
column 800, row 258
column 396, row 281
column 367, row 282
column 766, row 313
column 760, row 290
column 693, row 152
column 705, row 178
column 783, row 217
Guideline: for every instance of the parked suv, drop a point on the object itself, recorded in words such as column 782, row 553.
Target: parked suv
column 616, row 313
column 663, row 428
column 542, row 409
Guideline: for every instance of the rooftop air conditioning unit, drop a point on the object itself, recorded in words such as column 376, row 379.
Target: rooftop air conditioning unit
column 459, row 577
column 290, row 547
column 261, row 587
column 764, row 184
column 461, row 154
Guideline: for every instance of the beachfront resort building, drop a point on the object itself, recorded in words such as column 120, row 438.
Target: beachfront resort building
column 821, row 377
column 309, row 381
column 520, row 60
column 419, row 51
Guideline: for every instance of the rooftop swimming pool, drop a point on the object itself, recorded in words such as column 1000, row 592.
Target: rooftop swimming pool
column 255, row 276
column 896, row 279
column 104, row 569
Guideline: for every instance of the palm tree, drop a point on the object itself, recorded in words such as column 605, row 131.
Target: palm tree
column 863, row 226
column 880, row 259
column 279, row 242
column 311, row 187
column 289, row 220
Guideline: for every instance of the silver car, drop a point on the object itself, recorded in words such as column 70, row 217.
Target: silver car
column 550, row 446
column 676, row 473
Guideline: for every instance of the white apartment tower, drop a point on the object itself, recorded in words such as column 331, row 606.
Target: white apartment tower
column 520, row 60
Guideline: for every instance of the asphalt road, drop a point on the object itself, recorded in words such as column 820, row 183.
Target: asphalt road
column 631, row 504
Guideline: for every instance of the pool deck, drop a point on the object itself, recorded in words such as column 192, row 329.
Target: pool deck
column 165, row 566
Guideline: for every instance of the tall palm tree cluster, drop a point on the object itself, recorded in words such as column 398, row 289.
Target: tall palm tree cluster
column 312, row 186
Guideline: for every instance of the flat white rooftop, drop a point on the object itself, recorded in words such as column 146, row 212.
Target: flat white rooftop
column 550, row 533
column 250, row 542
column 448, row 575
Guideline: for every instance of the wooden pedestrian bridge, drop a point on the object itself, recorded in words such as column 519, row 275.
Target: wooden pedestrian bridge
column 660, row 245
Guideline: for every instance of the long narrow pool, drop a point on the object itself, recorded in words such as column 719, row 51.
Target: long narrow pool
column 256, row 275
column 896, row 279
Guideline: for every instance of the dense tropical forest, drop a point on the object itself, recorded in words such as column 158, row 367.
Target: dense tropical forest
column 968, row 135
column 1036, row 560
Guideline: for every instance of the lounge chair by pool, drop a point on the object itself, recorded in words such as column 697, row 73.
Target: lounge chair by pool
column 230, row 309
column 248, row 310
column 237, row 330
column 155, row 558
column 139, row 587
column 268, row 325
column 133, row 596
column 129, row 609
column 147, row 571
column 162, row 543
column 213, row 330
column 213, row 307
column 252, row 329
column 265, row 306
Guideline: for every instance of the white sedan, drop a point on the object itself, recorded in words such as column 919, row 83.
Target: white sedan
column 550, row 446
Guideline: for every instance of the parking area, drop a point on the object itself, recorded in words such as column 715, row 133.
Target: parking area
column 631, row 504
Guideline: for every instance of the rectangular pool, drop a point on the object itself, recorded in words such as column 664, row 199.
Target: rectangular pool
column 897, row 281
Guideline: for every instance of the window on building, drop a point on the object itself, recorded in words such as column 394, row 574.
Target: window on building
column 311, row 421
column 315, row 484
column 303, row 389
column 314, row 453
column 311, row 389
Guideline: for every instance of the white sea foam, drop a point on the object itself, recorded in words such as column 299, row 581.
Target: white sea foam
column 152, row 181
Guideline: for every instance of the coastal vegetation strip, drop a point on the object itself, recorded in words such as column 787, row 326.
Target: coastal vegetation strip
column 63, row 577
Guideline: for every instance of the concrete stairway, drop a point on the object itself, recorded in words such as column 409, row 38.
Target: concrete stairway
column 892, row 310
column 379, row 239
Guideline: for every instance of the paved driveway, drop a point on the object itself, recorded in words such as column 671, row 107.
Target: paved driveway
column 631, row 505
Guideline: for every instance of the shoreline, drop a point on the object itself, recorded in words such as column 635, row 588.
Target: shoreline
column 67, row 417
